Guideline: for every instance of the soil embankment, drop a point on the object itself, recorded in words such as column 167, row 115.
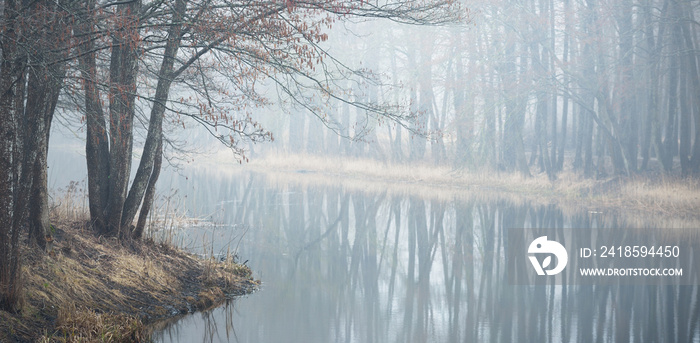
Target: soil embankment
column 91, row 288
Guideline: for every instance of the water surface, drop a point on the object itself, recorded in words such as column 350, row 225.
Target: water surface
column 342, row 265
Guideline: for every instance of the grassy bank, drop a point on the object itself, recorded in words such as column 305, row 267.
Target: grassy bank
column 94, row 289
column 649, row 194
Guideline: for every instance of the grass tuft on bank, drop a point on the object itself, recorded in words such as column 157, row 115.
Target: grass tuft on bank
column 649, row 193
column 94, row 289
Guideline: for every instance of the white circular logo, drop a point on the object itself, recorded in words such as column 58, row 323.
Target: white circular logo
column 542, row 246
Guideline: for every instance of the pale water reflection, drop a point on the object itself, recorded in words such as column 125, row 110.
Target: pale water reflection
column 350, row 266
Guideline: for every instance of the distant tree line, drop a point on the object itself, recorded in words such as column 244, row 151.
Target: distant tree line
column 135, row 65
column 607, row 86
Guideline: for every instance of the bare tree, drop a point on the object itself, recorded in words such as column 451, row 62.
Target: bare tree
column 34, row 39
column 217, row 51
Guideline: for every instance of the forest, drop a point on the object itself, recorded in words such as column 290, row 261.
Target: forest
column 525, row 86
column 124, row 66
column 600, row 88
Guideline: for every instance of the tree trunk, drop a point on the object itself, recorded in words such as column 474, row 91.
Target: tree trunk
column 684, row 139
column 652, row 82
column 397, row 142
column 695, row 95
column 589, row 86
column 554, row 89
column 489, row 139
column 42, row 95
column 96, row 140
column 150, row 192
column 33, row 76
column 565, row 107
column 578, row 129
column 513, row 156
column 122, row 93
column 12, row 195
column 10, row 74
column 49, row 47
column 417, row 143
column 540, row 62
column 153, row 145
column 670, row 141
column 462, row 148
column 629, row 126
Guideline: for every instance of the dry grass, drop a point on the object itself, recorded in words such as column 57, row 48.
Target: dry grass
column 416, row 179
column 70, row 202
column 666, row 195
column 75, row 324
column 632, row 197
column 93, row 289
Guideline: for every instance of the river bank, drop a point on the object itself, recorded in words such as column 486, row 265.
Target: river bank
column 90, row 288
column 649, row 193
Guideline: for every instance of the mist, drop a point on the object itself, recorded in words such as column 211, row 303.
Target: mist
column 418, row 170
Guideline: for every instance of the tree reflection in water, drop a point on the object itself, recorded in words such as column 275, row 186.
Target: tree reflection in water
column 350, row 266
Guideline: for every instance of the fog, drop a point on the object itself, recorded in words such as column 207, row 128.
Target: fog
column 603, row 90
column 598, row 87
